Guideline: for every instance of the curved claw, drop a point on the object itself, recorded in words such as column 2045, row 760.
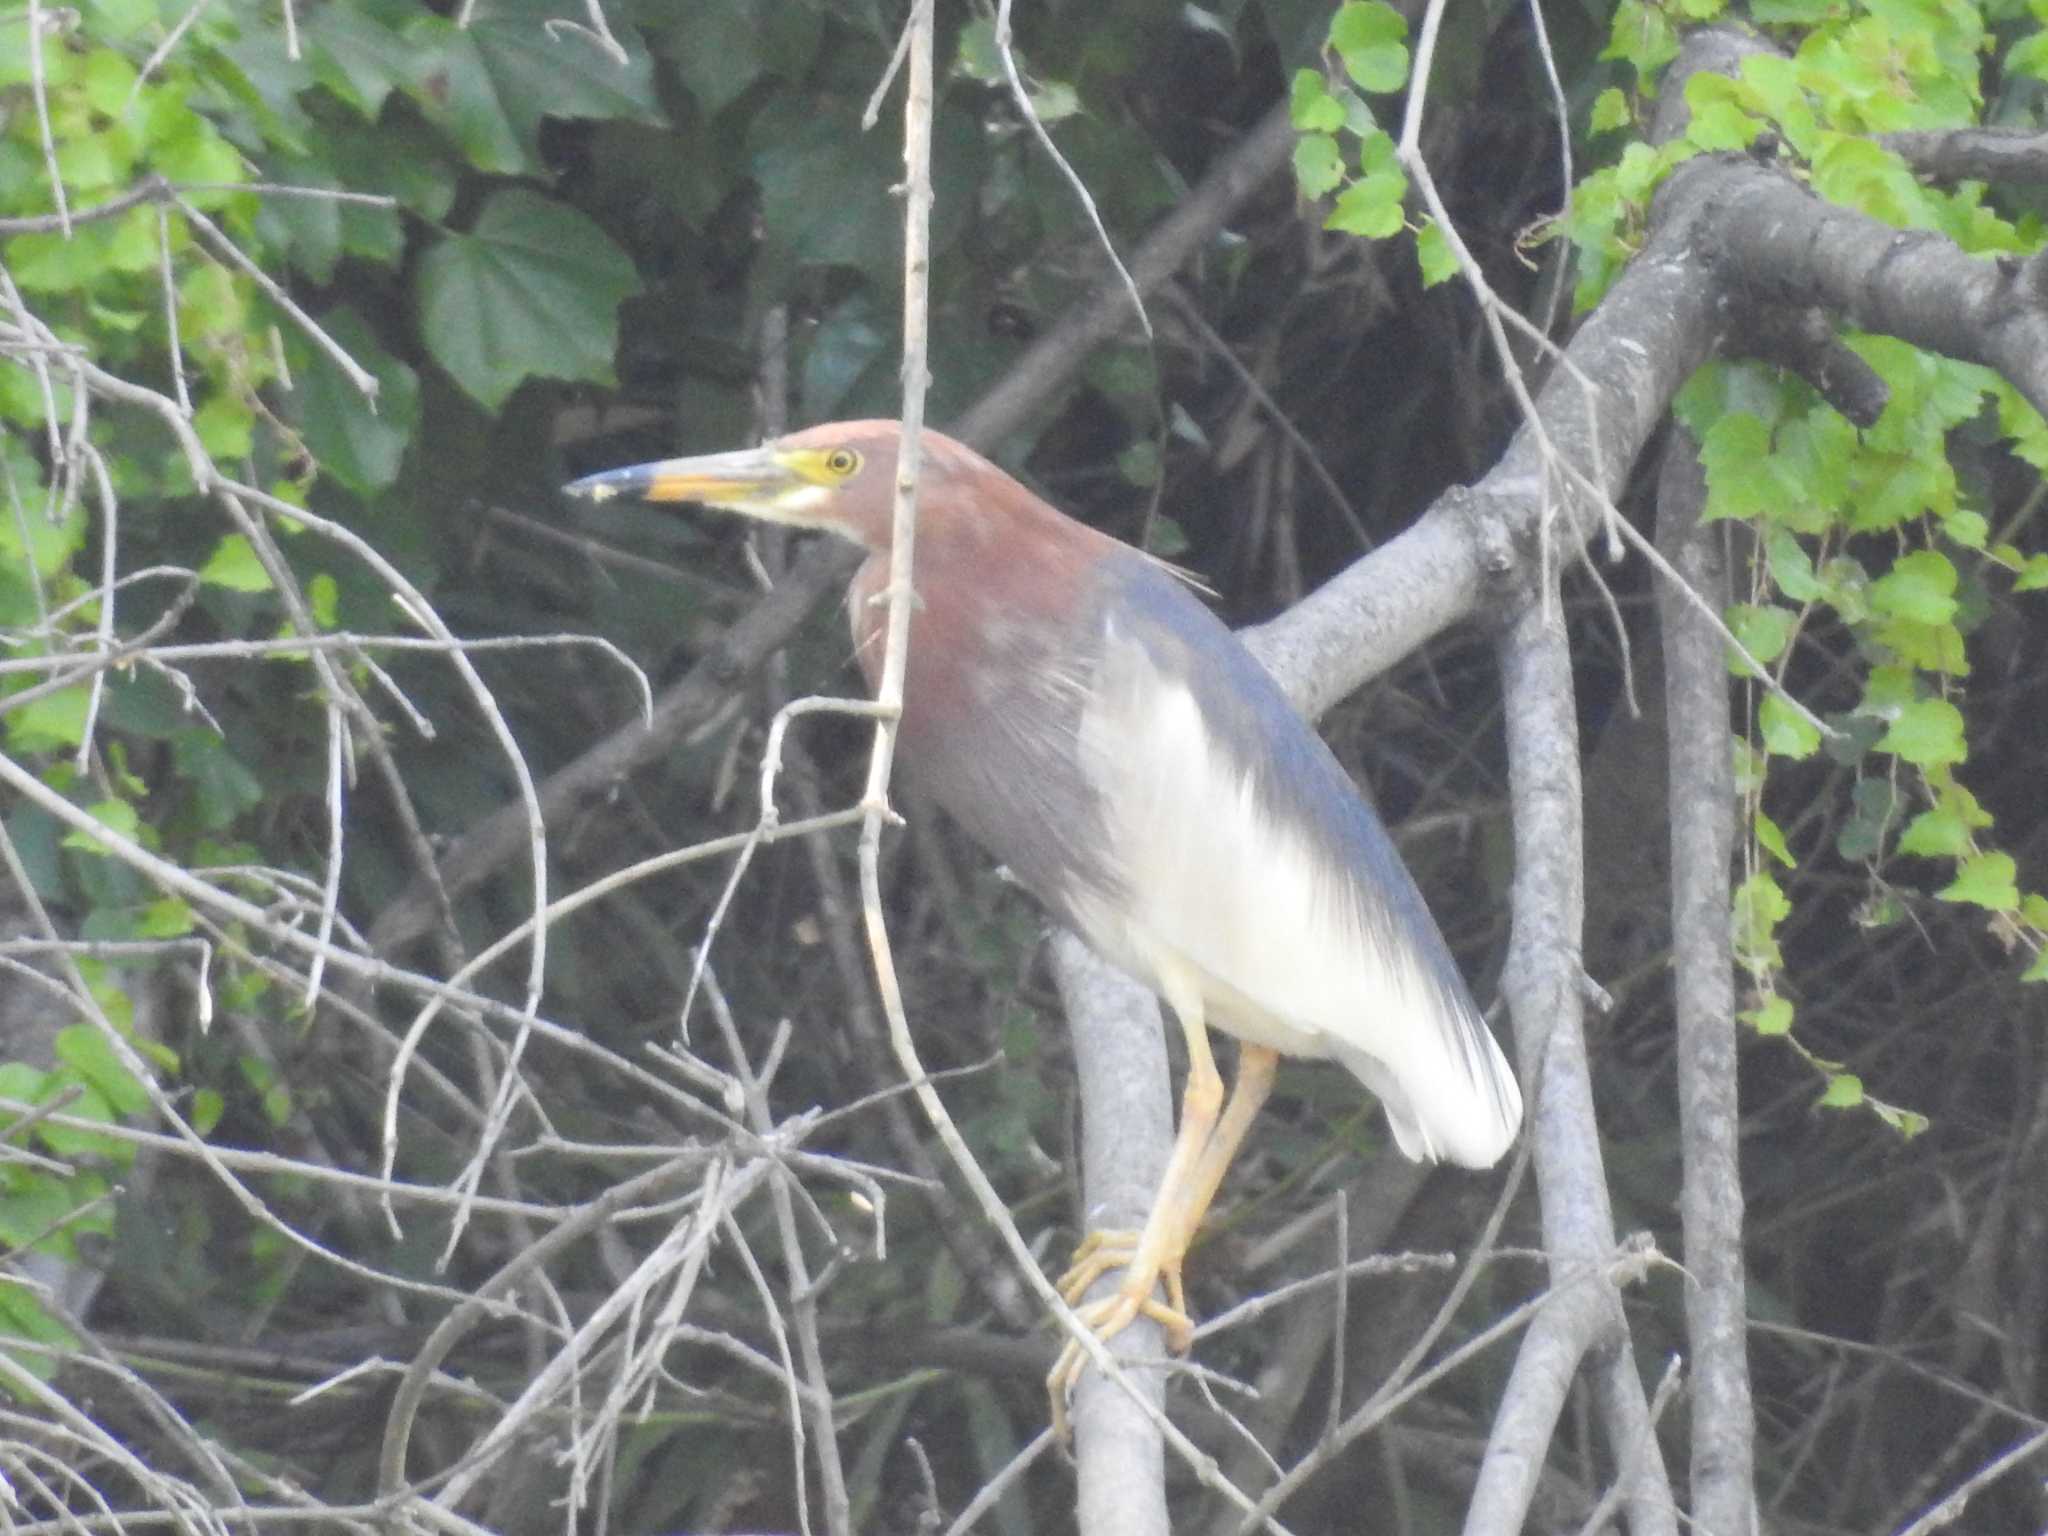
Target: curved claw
column 1107, row 1316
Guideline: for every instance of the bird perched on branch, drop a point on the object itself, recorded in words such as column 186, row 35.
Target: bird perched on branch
column 1091, row 724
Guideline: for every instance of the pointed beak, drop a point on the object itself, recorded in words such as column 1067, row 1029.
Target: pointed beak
column 751, row 480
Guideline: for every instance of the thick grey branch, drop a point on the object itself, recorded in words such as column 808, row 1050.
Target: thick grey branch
column 1702, row 834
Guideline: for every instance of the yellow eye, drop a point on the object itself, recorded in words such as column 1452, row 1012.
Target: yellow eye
column 842, row 461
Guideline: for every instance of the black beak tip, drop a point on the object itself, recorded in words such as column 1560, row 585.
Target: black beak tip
column 599, row 487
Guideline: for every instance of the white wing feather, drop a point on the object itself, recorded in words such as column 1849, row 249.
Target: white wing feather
column 1220, row 886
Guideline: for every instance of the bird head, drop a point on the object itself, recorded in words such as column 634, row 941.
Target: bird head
column 838, row 478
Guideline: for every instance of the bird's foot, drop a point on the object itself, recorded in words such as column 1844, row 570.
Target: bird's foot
column 1107, row 1316
column 1099, row 1253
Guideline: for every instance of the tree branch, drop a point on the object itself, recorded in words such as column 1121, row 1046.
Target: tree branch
column 1702, row 834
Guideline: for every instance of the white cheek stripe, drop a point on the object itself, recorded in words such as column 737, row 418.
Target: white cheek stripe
column 1220, row 889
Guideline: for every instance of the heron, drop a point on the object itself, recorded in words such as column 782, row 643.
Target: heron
column 1096, row 728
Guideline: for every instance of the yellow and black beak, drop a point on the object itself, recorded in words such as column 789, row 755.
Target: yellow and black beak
column 751, row 480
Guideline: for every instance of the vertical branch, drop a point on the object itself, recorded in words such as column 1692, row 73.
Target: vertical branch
column 1542, row 984
column 889, row 696
column 1126, row 1133
column 1702, row 835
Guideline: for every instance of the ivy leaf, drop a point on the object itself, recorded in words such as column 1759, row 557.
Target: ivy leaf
column 1926, row 733
column 1786, row 732
column 1792, row 568
column 1642, row 36
column 52, row 723
column 1919, row 586
column 86, row 1051
column 1936, row 834
column 1760, row 905
column 1771, row 838
column 117, row 815
column 356, row 56
column 1610, row 111
column 233, row 564
column 1311, row 106
column 1907, row 1122
column 1318, row 167
column 1762, row 629
column 532, row 291
column 1433, row 251
column 207, row 1108
column 1371, row 206
column 1774, row 1017
column 1844, row 1091
column 221, row 784
column 1862, row 835
column 1988, row 880
column 1371, row 39
column 1736, row 454
column 359, row 441
column 488, row 83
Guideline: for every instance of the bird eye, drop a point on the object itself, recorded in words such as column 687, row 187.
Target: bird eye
column 842, row 461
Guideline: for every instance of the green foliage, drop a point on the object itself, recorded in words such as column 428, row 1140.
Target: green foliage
column 48, row 1205
column 1368, row 40
column 532, row 291
column 1865, row 534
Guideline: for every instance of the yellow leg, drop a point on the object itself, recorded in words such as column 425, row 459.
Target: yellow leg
column 1209, row 1136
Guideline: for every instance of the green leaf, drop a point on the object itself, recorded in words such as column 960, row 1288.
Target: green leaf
column 1862, row 835
column 1736, row 455
column 1643, row 36
column 207, row 1108
column 1759, row 906
column 1844, row 1091
column 221, row 785
column 1907, row 1122
column 1318, row 166
column 1311, row 106
column 167, row 918
column 1433, row 251
column 52, row 723
column 1610, row 111
column 1920, row 586
column 1791, row 567
column 1988, row 880
column 225, row 426
column 1721, row 125
column 721, row 51
column 323, row 600
column 359, row 440
column 1927, row 733
column 489, row 82
column 1371, row 39
column 88, row 1052
column 1370, row 207
column 1763, row 629
column 233, row 564
column 1786, row 732
column 1967, row 528
column 1936, row 834
column 117, row 815
column 356, row 55
column 1770, row 838
column 1773, row 1017
column 532, row 291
